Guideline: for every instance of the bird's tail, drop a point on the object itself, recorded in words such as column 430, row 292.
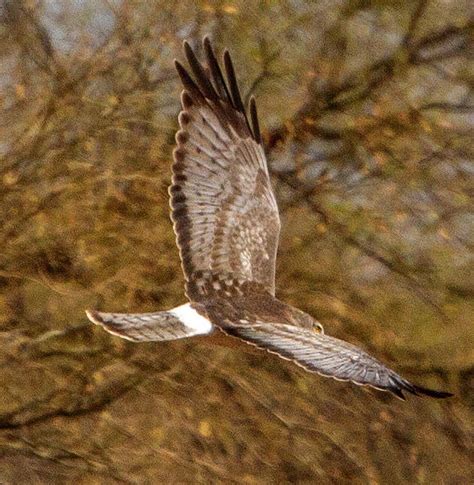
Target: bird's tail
column 181, row 322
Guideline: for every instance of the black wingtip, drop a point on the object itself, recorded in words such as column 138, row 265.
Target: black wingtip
column 188, row 50
column 186, row 79
column 396, row 391
column 216, row 73
column 207, row 83
column 200, row 74
column 254, row 120
column 432, row 393
column 181, row 71
column 234, row 87
column 398, row 385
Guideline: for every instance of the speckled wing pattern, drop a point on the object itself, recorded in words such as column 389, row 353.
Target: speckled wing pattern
column 223, row 208
column 328, row 356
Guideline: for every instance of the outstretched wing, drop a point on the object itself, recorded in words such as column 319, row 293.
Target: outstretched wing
column 327, row 356
column 223, row 208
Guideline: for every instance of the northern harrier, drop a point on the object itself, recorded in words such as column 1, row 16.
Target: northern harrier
column 227, row 228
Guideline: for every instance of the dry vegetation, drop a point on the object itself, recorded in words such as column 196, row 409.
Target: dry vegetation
column 367, row 111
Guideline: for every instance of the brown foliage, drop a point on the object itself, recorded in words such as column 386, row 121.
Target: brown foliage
column 367, row 110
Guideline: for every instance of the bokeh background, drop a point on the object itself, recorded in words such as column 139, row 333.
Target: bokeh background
column 366, row 110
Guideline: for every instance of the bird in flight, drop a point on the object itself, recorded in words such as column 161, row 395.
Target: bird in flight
column 227, row 227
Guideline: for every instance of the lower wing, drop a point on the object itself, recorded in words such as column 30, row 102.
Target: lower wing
column 327, row 356
column 181, row 322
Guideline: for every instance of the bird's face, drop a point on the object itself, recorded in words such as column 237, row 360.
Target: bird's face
column 317, row 327
column 304, row 320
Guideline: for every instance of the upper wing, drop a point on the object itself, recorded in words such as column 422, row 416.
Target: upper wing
column 223, row 208
column 327, row 356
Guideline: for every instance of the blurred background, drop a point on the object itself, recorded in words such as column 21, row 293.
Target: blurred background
column 366, row 110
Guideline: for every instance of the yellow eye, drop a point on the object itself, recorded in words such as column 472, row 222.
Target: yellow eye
column 318, row 328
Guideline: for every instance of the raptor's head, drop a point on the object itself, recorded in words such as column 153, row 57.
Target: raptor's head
column 302, row 319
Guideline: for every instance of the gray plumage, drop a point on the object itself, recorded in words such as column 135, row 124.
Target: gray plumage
column 227, row 228
column 143, row 327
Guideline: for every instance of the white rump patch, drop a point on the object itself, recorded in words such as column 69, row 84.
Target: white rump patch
column 188, row 316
